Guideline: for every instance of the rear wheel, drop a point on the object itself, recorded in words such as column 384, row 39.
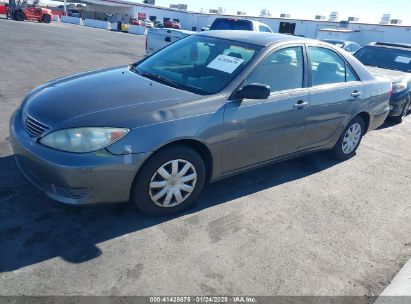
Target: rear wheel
column 20, row 16
column 404, row 113
column 170, row 181
column 349, row 140
column 46, row 18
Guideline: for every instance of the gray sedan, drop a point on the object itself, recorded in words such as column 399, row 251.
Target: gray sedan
column 204, row 108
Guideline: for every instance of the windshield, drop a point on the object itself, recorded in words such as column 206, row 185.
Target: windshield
column 232, row 24
column 393, row 59
column 198, row 64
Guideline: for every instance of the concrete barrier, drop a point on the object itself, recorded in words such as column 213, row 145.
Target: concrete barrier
column 97, row 24
column 56, row 18
column 72, row 20
column 136, row 29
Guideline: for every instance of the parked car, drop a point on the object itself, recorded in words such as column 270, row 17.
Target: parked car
column 171, row 24
column 205, row 28
column 349, row 46
column 148, row 23
column 136, row 21
column 239, row 24
column 158, row 38
column 202, row 109
column 391, row 60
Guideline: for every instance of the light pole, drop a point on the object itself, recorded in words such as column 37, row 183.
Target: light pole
column 65, row 8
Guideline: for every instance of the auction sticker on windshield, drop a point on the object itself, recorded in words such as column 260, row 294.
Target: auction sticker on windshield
column 403, row 59
column 225, row 63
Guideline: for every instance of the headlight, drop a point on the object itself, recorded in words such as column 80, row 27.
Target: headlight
column 82, row 140
column 399, row 86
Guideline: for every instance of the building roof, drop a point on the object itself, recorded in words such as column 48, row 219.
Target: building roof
column 256, row 38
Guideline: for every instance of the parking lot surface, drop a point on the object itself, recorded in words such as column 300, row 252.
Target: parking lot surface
column 309, row 226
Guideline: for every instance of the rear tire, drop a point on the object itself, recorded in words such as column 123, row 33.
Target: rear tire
column 169, row 182
column 404, row 113
column 20, row 16
column 46, row 18
column 349, row 140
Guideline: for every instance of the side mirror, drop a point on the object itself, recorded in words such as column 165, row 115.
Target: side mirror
column 253, row 91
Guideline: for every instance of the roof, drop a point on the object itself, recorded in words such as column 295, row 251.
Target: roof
column 339, row 30
column 256, row 38
column 403, row 46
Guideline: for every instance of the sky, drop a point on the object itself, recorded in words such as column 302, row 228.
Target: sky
column 366, row 10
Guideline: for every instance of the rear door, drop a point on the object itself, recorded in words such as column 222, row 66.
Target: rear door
column 256, row 131
column 335, row 93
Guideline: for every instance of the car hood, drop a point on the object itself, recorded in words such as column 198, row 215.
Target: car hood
column 394, row 76
column 112, row 97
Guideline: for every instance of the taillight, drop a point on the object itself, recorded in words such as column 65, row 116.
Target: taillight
column 391, row 90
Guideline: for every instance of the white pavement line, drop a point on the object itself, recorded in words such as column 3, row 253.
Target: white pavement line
column 400, row 286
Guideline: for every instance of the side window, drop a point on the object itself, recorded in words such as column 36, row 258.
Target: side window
column 263, row 28
column 281, row 70
column 355, row 47
column 328, row 67
column 350, row 75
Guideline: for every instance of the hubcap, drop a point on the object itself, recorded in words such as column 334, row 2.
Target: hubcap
column 173, row 183
column 351, row 138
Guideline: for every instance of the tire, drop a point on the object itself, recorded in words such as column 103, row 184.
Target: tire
column 46, row 18
column 20, row 16
column 353, row 134
column 152, row 191
column 400, row 119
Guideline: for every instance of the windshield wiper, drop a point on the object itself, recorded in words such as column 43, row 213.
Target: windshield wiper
column 387, row 68
column 162, row 80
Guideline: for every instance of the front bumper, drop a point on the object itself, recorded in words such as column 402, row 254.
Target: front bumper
column 74, row 178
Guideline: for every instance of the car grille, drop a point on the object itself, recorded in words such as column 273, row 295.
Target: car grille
column 34, row 127
column 70, row 192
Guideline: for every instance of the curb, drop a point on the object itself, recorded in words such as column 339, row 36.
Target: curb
column 399, row 287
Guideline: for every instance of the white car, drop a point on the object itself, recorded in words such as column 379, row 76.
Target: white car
column 148, row 23
column 157, row 38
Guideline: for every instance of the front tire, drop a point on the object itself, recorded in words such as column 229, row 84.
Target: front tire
column 46, row 18
column 349, row 140
column 169, row 182
column 20, row 16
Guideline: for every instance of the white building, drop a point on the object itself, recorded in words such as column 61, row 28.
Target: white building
column 300, row 27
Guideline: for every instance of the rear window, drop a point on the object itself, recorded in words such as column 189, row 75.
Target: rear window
column 232, row 24
column 393, row 59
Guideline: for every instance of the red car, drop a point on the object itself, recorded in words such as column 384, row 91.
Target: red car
column 172, row 24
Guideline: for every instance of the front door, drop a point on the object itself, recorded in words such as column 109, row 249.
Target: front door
column 256, row 131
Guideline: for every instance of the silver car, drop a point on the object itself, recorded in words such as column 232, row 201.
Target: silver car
column 204, row 108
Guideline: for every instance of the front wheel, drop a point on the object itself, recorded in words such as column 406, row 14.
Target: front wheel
column 20, row 16
column 46, row 18
column 349, row 140
column 169, row 182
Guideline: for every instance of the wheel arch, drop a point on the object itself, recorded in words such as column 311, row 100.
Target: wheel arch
column 201, row 148
column 365, row 116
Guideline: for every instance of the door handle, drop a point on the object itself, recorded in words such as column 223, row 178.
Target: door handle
column 356, row 94
column 301, row 104
column 168, row 39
